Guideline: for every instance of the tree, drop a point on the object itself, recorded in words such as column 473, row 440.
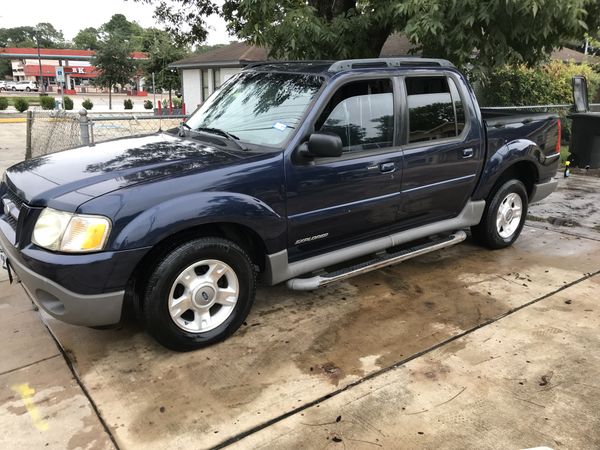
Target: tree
column 49, row 37
column 118, row 25
column 162, row 51
column 5, row 69
column 86, row 39
column 497, row 31
column 114, row 63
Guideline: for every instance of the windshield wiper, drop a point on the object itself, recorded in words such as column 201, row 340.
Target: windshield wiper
column 232, row 137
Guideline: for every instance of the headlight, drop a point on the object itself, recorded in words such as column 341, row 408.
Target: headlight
column 74, row 233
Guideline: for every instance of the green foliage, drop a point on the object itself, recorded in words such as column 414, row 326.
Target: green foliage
column 148, row 104
column 68, row 103
column 46, row 102
column 27, row 36
column 114, row 64
column 5, row 68
column 162, row 51
column 127, row 103
column 87, row 104
column 176, row 101
column 3, row 103
column 544, row 85
column 21, row 104
column 500, row 31
column 86, row 39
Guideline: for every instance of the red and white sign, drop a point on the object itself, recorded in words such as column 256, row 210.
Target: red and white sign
column 71, row 69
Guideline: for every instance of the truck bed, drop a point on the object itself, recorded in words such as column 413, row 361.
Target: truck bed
column 503, row 126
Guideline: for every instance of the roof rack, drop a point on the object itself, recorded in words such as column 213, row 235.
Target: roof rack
column 278, row 61
column 348, row 64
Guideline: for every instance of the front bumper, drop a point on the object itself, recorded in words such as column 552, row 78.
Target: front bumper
column 61, row 303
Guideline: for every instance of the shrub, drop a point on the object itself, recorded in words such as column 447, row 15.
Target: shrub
column 21, row 104
column 543, row 85
column 68, row 103
column 87, row 104
column 177, row 102
column 128, row 103
column 3, row 103
column 148, row 104
column 47, row 102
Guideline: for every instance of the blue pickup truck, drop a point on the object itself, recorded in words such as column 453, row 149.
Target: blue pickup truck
column 297, row 172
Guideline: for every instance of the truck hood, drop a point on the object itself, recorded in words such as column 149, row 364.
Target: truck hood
column 91, row 171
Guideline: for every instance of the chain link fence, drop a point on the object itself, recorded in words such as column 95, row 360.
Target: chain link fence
column 53, row 131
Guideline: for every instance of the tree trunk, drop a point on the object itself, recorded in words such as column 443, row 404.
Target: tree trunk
column 110, row 96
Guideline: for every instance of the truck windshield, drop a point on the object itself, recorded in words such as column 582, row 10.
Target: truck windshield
column 260, row 108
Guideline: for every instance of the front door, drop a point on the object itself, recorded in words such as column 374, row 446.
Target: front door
column 334, row 201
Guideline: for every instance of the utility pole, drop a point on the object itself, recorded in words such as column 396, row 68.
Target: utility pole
column 153, row 91
column 37, row 38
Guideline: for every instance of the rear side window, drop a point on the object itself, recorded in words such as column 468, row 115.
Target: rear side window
column 362, row 114
column 435, row 109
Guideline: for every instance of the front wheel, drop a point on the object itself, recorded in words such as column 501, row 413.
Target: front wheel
column 28, row 89
column 199, row 294
column 504, row 216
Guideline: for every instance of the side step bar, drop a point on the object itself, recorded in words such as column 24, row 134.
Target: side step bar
column 308, row 284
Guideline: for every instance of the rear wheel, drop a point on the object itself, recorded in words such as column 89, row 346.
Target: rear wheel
column 504, row 216
column 199, row 294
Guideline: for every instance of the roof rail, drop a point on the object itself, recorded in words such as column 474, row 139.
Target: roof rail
column 348, row 64
column 290, row 62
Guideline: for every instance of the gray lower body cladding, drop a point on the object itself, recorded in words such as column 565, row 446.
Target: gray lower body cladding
column 279, row 269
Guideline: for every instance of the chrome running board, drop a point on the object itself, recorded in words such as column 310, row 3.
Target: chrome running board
column 379, row 261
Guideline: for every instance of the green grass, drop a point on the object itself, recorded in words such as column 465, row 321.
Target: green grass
column 564, row 153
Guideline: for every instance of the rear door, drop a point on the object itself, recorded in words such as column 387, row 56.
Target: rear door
column 333, row 201
column 443, row 151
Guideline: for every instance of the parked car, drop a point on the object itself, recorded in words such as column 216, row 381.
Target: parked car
column 25, row 86
column 305, row 173
column 8, row 85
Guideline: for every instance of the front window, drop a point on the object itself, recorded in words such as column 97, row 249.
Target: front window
column 260, row 108
column 362, row 115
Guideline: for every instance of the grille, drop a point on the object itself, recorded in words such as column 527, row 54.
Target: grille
column 17, row 202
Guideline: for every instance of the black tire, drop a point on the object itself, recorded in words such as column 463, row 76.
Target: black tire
column 28, row 89
column 486, row 232
column 155, row 310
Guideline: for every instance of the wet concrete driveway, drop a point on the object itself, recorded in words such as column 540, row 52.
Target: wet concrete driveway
column 409, row 332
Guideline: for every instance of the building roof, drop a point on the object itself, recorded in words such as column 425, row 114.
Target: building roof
column 236, row 54
column 55, row 53
column 397, row 45
column 566, row 55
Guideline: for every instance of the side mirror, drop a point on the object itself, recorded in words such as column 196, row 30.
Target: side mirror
column 580, row 94
column 324, row 144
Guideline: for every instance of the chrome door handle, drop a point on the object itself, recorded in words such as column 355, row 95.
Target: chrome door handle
column 467, row 153
column 387, row 167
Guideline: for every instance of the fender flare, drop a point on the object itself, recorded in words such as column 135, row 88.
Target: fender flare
column 178, row 214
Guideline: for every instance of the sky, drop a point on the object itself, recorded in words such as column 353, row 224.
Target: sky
column 70, row 16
